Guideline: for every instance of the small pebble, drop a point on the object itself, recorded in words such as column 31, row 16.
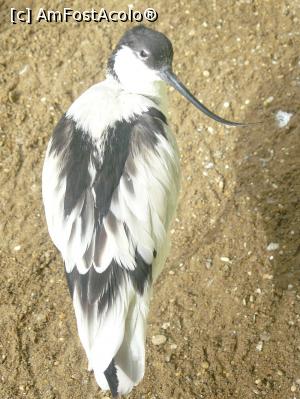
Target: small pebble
column 267, row 276
column 206, row 74
column 159, row 339
column 173, row 346
column 226, row 104
column 165, row 325
column 17, row 248
column 283, row 118
column 293, row 388
column 268, row 100
column 209, row 165
column 23, row 70
column 273, row 246
column 259, row 346
column 205, row 365
column 225, row 259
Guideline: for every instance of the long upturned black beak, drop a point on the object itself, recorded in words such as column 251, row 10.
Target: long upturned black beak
column 169, row 77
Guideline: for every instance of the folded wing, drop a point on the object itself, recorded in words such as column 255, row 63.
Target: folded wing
column 108, row 206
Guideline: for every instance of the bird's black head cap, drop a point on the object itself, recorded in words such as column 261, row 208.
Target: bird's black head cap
column 150, row 46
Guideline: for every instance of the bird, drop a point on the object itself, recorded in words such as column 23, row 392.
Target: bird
column 110, row 185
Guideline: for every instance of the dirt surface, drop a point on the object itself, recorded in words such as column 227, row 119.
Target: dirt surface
column 228, row 306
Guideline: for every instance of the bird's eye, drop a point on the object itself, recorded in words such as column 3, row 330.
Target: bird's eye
column 143, row 54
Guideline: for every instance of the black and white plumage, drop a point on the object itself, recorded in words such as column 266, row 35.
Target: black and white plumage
column 110, row 189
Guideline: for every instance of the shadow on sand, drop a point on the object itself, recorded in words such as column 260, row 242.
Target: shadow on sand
column 268, row 176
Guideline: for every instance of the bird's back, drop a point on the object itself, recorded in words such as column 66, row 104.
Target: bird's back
column 110, row 187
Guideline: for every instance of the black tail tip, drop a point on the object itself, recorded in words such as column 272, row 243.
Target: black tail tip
column 112, row 379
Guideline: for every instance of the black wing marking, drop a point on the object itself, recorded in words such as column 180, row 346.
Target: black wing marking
column 105, row 286
column 77, row 150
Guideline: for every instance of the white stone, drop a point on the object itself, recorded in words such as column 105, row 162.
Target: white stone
column 159, row 339
column 225, row 259
column 259, row 346
column 283, row 118
column 269, row 100
column 209, row 165
column 23, row 70
column 273, row 246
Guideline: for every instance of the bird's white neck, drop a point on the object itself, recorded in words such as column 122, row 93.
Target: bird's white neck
column 134, row 76
column 156, row 90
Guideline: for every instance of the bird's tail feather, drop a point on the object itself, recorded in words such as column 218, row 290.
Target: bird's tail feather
column 115, row 341
column 128, row 365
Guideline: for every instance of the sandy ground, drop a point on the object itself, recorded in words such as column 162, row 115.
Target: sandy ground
column 228, row 307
